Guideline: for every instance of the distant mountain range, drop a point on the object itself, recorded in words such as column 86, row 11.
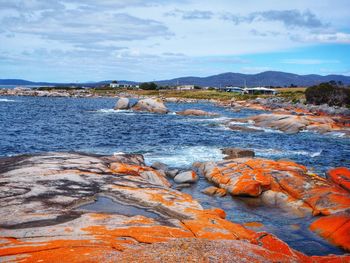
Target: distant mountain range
column 268, row 78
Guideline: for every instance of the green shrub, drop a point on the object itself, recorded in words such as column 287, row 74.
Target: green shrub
column 328, row 93
column 148, row 86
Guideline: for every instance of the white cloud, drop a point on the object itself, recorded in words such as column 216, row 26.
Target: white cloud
column 309, row 61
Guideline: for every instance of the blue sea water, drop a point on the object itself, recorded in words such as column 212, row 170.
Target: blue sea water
column 33, row 124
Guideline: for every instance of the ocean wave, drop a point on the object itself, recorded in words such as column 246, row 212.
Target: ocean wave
column 8, row 100
column 185, row 156
column 285, row 153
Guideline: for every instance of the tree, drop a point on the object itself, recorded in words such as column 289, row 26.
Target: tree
column 328, row 93
column 148, row 86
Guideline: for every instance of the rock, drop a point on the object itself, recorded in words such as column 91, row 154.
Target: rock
column 212, row 190
column 282, row 183
column 40, row 222
column 185, row 185
column 186, row 177
column 159, row 166
column 193, row 112
column 151, row 105
column 172, row 172
column 340, row 176
column 243, row 128
column 233, row 153
column 122, row 104
column 335, row 228
column 290, row 123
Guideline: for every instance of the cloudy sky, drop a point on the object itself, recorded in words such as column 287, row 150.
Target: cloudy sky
column 91, row 40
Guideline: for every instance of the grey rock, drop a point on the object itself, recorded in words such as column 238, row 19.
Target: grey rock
column 186, row 177
column 122, row 104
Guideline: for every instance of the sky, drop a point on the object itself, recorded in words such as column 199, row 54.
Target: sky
column 93, row 40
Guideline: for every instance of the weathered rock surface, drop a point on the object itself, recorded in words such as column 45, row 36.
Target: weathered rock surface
column 186, row 177
column 194, row 112
column 340, row 176
column 282, row 183
column 289, row 123
column 122, row 104
column 151, row 105
column 40, row 222
column 233, row 153
column 212, row 190
column 335, row 228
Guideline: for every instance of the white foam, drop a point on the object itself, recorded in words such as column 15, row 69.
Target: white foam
column 284, row 153
column 7, row 100
column 185, row 155
column 118, row 153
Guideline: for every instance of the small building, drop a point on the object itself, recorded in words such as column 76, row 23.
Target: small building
column 259, row 90
column 115, row 84
column 233, row 89
column 185, row 87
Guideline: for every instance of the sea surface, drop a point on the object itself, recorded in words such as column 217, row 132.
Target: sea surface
column 32, row 124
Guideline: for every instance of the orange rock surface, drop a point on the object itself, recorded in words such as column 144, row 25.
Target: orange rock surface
column 340, row 176
column 291, row 183
column 335, row 228
column 50, row 229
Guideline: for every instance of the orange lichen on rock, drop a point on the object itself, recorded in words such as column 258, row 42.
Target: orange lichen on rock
column 252, row 177
column 335, row 228
column 253, row 224
column 340, row 176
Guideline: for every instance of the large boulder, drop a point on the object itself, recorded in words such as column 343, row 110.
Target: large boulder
column 122, row 104
column 232, row 153
column 194, row 112
column 186, row 177
column 151, row 105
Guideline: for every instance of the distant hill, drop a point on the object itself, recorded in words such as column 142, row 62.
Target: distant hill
column 268, row 78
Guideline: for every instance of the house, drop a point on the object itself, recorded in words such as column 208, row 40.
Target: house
column 115, row 84
column 185, row 87
column 259, row 90
column 232, row 89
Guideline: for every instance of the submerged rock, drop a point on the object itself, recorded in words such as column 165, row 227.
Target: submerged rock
column 122, row 104
column 151, row 105
column 335, row 228
column 194, row 112
column 186, row 177
column 212, row 190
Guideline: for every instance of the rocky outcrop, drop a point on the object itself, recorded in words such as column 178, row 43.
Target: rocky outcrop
column 41, row 220
column 122, row 104
column 283, row 183
column 294, row 123
column 194, row 112
column 151, row 105
column 232, row 153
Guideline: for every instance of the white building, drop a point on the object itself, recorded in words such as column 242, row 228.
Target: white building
column 185, row 87
column 259, row 90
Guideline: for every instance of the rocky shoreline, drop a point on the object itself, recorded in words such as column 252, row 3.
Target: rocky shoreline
column 41, row 221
